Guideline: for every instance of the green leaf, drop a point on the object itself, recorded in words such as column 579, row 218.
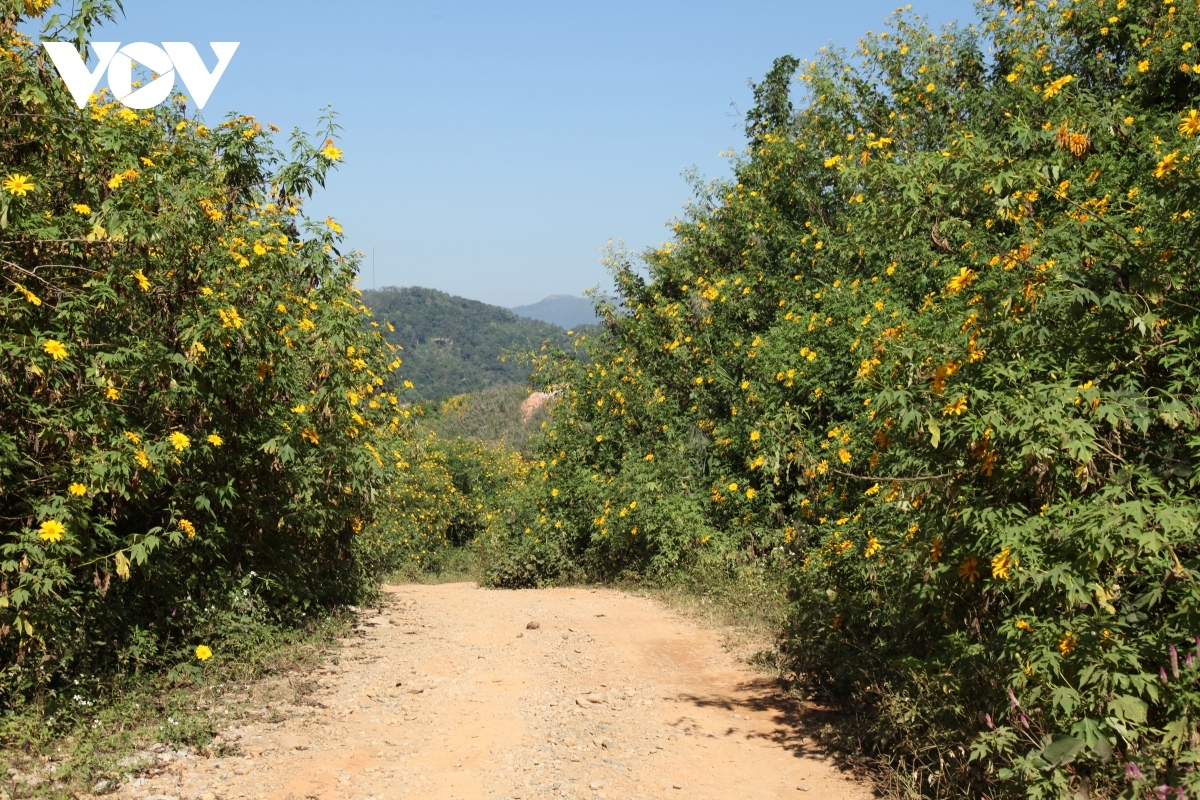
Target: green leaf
column 1128, row 708
column 1062, row 750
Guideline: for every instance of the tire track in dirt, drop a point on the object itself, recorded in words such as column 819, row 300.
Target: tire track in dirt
column 448, row 694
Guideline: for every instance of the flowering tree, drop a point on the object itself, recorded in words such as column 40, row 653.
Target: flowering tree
column 191, row 393
column 935, row 345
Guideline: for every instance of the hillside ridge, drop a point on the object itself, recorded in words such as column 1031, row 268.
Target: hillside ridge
column 453, row 345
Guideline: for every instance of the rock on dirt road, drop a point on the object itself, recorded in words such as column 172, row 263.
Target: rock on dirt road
column 453, row 693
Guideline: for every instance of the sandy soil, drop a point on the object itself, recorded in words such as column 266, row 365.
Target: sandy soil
column 460, row 692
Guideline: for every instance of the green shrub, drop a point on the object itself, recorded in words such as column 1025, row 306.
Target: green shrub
column 448, row 493
column 935, row 342
column 190, row 394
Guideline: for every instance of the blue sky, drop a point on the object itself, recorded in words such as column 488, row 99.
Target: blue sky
column 493, row 149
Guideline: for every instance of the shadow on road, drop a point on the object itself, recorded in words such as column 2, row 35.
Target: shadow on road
column 795, row 722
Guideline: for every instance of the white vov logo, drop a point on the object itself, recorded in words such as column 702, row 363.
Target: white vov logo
column 119, row 61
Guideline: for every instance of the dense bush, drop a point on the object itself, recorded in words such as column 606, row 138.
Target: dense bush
column 190, row 393
column 935, row 340
column 447, row 494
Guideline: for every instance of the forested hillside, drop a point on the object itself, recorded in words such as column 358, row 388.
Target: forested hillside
column 453, row 345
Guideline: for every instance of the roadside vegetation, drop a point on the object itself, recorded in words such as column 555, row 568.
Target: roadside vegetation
column 934, row 345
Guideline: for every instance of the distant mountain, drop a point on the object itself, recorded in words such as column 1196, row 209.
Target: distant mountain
column 565, row 310
column 453, row 345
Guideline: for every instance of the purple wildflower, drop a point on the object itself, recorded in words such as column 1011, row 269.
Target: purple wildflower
column 1162, row 673
column 1132, row 771
column 1012, row 700
column 1174, row 662
column 988, row 719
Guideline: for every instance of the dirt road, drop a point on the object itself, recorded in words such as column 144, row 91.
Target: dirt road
column 460, row 692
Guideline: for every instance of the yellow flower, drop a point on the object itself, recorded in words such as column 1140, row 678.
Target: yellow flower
column 333, row 226
column 133, row 437
column 935, row 551
column 844, row 455
column 306, row 324
column 180, row 441
column 929, row 87
column 554, row 492
column 962, row 280
column 82, row 208
column 969, row 570
column 17, row 184
column 203, row 653
column 187, row 527
column 299, row 408
column 832, row 161
column 77, row 489
column 649, row 456
column 142, row 459
column 214, row 440
column 230, row 318
column 755, row 436
column 1054, row 88
column 733, row 487
column 1189, row 123
column 311, row 435
column 956, row 408
column 30, row 297
column 1066, row 643
column 142, row 280
column 55, row 349
column 112, row 394
column 331, row 152
column 750, row 493
column 1167, row 164
column 281, row 308
column 1002, row 563
column 51, row 530
column 873, row 547
column 1144, row 65
column 116, row 181
column 1025, row 626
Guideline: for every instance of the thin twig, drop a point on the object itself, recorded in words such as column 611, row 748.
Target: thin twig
column 886, row 479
